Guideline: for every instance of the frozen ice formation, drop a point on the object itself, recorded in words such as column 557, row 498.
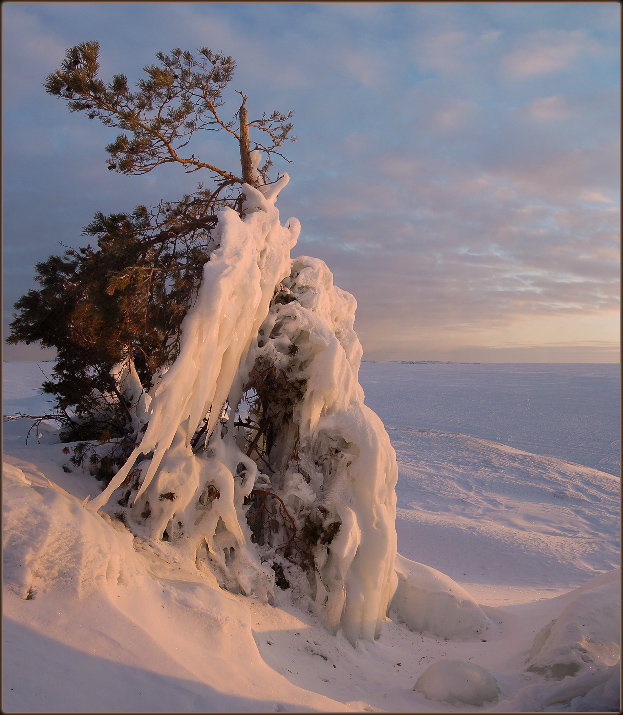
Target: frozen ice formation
column 279, row 326
column 458, row 682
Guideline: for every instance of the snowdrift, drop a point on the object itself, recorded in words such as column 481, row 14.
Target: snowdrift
column 430, row 602
column 585, row 635
column 120, row 610
column 51, row 542
column 85, row 604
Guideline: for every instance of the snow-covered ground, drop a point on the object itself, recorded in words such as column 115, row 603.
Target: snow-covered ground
column 508, row 490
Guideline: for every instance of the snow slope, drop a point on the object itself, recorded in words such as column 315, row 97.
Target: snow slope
column 501, row 503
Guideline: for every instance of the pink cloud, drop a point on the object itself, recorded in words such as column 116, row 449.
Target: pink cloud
column 548, row 109
column 544, row 52
column 443, row 51
column 453, row 116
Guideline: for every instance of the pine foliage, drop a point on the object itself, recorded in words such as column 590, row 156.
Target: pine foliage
column 124, row 295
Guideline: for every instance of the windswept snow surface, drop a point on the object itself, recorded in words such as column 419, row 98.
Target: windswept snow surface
column 571, row 411
column 508, row 506
column 504, row 464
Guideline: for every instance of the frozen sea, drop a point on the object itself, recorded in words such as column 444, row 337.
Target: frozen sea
column 570, row 411
column 494, row 459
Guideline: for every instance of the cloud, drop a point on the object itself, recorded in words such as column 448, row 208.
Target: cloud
column 563, row 176
column 548, row 109
column 362, row 11
column 571, row 352
column 468, row 252
column 595, row 197
column 363, row 67
column 454, row 115
column 454, row 48
column 27, row 47
column 544, row 52
column 444, row 51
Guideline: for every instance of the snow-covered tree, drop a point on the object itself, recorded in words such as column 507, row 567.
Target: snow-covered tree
column 253, row 454
column 302, row 488
column 102, row 302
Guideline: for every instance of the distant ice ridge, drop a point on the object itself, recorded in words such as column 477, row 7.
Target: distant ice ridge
column 258, row 315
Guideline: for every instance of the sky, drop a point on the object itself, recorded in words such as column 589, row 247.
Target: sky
column 457, row 165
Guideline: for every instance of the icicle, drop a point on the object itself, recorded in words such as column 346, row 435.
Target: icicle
column 238, row 283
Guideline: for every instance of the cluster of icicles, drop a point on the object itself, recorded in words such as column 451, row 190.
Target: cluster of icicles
column 257, row 306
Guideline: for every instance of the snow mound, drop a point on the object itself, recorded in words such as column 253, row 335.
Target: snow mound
column 458, row 682
column 586, row 635
column 51, row 542
column 591, row 691
column 85, row 605
column 428, row 601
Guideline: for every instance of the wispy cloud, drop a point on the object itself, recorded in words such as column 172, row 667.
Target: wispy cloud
column 545, row 52
column 453, row 116
column 548, row 109
column 445, row 51
column 27, row 46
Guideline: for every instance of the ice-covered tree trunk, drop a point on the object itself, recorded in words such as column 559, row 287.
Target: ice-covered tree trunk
column 309, row 476
column 331, row 458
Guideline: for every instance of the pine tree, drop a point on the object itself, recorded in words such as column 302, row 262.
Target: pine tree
column 124, row 297
column 207, row 306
